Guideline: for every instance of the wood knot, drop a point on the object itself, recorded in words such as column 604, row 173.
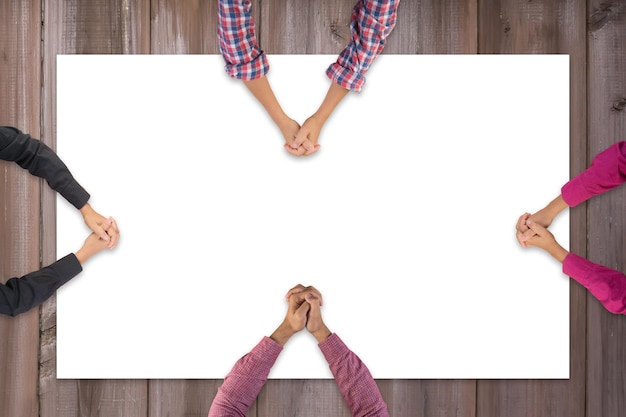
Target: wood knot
column 603, row 15
column 619, row 105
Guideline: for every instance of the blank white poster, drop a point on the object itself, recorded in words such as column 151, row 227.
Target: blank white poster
column 404, row 219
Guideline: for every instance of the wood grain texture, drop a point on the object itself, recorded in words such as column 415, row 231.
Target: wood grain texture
column 19, row 199
column 435, row 27
column 82, row 27
column 184, row 397
column 188, row 27
column 295, row 27
column 520, row 26
column 606, row 373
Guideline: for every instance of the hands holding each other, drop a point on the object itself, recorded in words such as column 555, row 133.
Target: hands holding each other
column 532, row 230
column 105, row 234
column 304, row 311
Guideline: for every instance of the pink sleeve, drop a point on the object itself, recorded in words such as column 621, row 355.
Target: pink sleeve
column 355, row 382
column 606, row 284
column 607, row 171
column 244, row 382
column 371, row 22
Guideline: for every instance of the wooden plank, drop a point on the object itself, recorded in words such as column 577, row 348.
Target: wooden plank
column 19, row 199
column 188, row 27
column 103, row 27
column 435, row 27
column 183, row 398
column 294, row 27
column 519, row 26
column 606, row 376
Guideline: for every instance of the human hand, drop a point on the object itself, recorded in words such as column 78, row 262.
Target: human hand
column 543, row 217
column 92, row 245
column 315, row 325
column 544, row 239
column 106, row 229
column 305, row 142
column 294, row 321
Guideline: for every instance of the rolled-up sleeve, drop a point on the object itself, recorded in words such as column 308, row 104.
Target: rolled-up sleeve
column 370, row 24
column 238, row 44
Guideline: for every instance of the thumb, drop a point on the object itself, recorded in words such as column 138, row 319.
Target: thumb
column 303, row 310
column 300, row 138
column 101, row 231
column 536, row 227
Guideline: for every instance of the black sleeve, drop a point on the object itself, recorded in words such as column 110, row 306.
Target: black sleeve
column 21, row 294
column 40, row 160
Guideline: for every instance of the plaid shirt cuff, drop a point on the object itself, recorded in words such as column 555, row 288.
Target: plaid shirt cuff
column 248, row 71
column 345, row 77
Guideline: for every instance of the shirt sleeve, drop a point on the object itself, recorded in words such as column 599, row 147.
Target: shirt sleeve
column 244, row 382
column 40, row 160
column 607, row 171
column 606, row 284
column 21, row 294
column 371, row 22
column 355, row 382
column 238, row 45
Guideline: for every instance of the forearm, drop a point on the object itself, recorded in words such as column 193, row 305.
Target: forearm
column 607, row 171
column 371, row 22
column 262, row 91
column 21, row 294
column 335, row 94
column 606, row 284
column 41, row 161
column 354, row 380
column 556, row 206
column 244, row 382
column 557, row 251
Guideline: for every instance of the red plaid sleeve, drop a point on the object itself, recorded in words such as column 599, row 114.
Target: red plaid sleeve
column 237, row 39
column 371, row 22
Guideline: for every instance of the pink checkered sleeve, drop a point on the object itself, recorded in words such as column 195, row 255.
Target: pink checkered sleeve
column 244, row 382
column 238, row 45
column 371, row 22
column 355, row 382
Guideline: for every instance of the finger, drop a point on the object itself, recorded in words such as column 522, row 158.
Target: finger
column 521, row 222
column 300, row 138
column 296, row 289
column 536, row 228
column 303, row 310
column 295, row 152
column 113, row 232
column 101, row 232
column 315, row 292
column 315, row 304
column 315, row 148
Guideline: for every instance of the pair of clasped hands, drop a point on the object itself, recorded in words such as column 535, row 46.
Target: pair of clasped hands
column 304, row 310
column 104, row 234
column 532, row 230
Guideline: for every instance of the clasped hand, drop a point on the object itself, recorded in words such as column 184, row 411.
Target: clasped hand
column 301, row 140
column 304, row 310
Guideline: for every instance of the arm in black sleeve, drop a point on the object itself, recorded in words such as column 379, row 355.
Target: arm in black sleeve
column 21, row 294
column 40, row 160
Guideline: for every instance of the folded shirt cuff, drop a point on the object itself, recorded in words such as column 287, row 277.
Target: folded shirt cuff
column 253, row 70
column 345, row 77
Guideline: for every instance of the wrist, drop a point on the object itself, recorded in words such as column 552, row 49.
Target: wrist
column 86, row 209
column 558, row 252
column 282, row 334
column 82, row 256
column 321, row 334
